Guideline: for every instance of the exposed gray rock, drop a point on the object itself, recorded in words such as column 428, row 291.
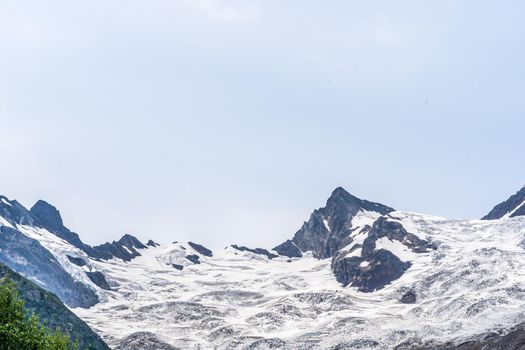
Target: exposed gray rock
column 47, row 216
column 289, row 249
column 178, row 267
column 125, row 249
column 515, row 205
column 375, row 268
column 193, row 258
column 258, row 251
column 98, row 278
column 340, row 209
column 408, row 298
column 394, row 231
column 201, row 249
column 382, row 268
column 152, row 243
column 15, row 213
column 77, row 261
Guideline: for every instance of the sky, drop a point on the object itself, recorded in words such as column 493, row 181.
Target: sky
column 229, row 121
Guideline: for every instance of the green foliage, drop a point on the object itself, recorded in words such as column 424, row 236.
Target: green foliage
column 20, row 331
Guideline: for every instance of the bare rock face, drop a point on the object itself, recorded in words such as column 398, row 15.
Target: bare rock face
column 330, row 232
column 48, row 217
column 325, row 232
column 369, row 275
column 408, row 298
column 375, row 268
column 514, row 206
column 15, row 213
column 259, row 251
column 289, row 249
column 99, row 279
column 201, row 249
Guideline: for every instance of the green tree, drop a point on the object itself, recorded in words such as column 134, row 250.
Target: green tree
column 20, row 331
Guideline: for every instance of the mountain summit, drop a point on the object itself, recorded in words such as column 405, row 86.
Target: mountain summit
column 329, row 227
column 512, row 207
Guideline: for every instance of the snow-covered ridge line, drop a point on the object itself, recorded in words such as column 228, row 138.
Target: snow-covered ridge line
column 426, row 271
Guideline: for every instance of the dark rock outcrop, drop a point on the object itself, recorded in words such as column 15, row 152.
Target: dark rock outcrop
column 514, row 205
column 328, row 227
column 381, row 268
column 98, row 278
column 394, row 231
column 52, row 313
column 16, row 214
column 408, row 298
column 289, row 249
column 375, row 268
column 47, row 216
column 151, row 243
column 201, row 249
column 125, row 249
column 77, row 261
column 178, row 267
column 258, row 251
column 193, row 258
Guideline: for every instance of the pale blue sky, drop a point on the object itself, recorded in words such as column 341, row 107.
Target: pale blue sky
column 230, row 121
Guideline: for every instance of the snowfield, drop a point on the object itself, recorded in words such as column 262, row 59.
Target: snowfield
column 473, row 282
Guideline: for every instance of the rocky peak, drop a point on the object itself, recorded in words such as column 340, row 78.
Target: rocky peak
column 49, row 218
column 15, row 213
column 342, row 198
column 512, row 207
column 329, row 227
column 125, row 248
column 130, row 241
column 47, row 214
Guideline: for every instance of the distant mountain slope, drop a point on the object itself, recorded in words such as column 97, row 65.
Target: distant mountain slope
column 512, row 207
column 65, row 272
column 28, row 257
column 237, row 299
column 52, row 312
column 430, row 282
column 48, row 217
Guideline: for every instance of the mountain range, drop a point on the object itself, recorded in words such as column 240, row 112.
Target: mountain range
column 356, row 275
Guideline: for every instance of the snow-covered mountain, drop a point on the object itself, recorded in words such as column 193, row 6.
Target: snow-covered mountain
column 357, row 275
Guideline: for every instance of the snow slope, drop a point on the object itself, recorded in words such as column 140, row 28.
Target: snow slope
column 180, row 296
column 472, row 283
